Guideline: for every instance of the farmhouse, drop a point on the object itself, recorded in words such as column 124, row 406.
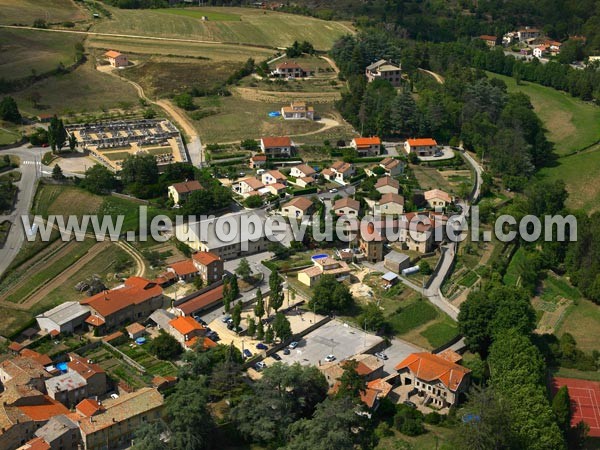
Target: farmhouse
column 298, row 110
column 387, row 185
column 489, row 40
column 346, row 207
column 64, row 318
column 184, row 270
column 540, row 51
column 384, row 70
column 178, row 192
column 134, row 300
column 297, row 208
column 277, row 147
column 366, row 146
column 258, row 161
column 434, row 379
column 340, row 172
column 289, row 69
column 186, row 330
column 421, row 147
column 210, row 266
column 528, row 33
column 116, row 59
column 436, row 198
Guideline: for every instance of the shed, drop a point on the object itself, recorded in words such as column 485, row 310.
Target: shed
column 389, row 279
column 135, row 330
column 396, row 261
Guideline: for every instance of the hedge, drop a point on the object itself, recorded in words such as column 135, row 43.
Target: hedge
column 310, row 190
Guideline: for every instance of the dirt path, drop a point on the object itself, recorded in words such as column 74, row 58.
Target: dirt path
column 257, row 95
column 331, row 63
column 139, row 260
column 440, row 79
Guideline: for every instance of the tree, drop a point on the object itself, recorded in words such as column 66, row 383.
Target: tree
column 57, row 173
column 260, row 330
column 561, row 405
column 259, row 307
column 251, row 326
column 190, row 422
column 40, row 23
column 185, row 101
column 372, row 318
column 425, row 268
column 283, row 395
column 207, row 200
column 330, row 428
column 269, row 334
column 57, row 134
column 253, row 201
column 72, row 142
column 243, row 270
column 276, row 294
column 165, row 346
column 9, row 110
column 329, row 295
column 139, row 169
column 352, row 384
column 147, row 436
column 236, row 315
column 99, row 180
column 226, row 295
column 409, row 421
column 35, row 98
column 282, row 327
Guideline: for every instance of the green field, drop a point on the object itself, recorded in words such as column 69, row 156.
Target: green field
column 571, row 123
column 235, row 119
column 255, row 27
column 212, row 51
column 210, row 14
column 579, row 172
column 8, row 134
column 511, row 277
column 83, row 90
column 38, row 52
column 581, row 321
column 412, row 316
column 163, row 77
column 26, row 11
column 440, row 332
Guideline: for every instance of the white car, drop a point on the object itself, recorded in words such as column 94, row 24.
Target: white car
column 381, row 355
column 293, row 345
column 333, row 191
column 329, row 358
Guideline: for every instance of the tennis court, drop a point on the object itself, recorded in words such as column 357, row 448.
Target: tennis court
column 585, row 401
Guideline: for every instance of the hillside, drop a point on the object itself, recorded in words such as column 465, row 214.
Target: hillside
column 234, row 25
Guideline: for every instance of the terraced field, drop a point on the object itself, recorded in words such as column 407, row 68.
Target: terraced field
column 26, row 11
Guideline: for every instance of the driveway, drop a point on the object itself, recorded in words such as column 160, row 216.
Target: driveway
column 396, row 352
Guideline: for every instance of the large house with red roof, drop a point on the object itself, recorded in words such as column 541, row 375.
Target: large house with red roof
column 421, row 147
column 277, row 146
column 210, row 266
column 435, row 379
column 178, row 192
column 136, row 299
column 290, row 69
column 116, row 59
column 366, row 146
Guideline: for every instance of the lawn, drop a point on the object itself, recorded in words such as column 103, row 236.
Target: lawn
column 26, row 11
column 163, row 77
column 433, row 439
column 8, row 136
column 65, row 200
column 255, row 27
column 197, row 13
column 12, row 320
column 440, row 332
column 234, row 119
column 412, row 316
column 83, row 90
column 581, row 321
column 511, row 277
column 571, row 123
column 579, row 172
column 38, row 52
column 430, row 178
column 212, row 51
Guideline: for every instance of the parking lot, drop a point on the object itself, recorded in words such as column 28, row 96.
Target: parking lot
column 334, row 338
column 398, row 351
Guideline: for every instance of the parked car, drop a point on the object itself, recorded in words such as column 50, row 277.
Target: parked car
column 409, row 403
column 381, row 355
column 261, row 346
column 333, row 191
column 247, row 353
column 286, row 351
column 293, row 345
column 200, row 321
column 226, row 318
column 276, row 357
column 260, row 365
column 329, row 358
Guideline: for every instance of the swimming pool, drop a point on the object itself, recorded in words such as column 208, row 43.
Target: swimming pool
column 319, row 256
column 62, row 366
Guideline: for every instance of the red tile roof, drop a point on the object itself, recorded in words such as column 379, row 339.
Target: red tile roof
column 83, row 367
column 391, row 198
column 89, row 407
column 429, row 367
column 36, row 444
column 13, row 346
column 187, row 186
column 183, row 268
column 488, row 37
column 40, row 412
column 95, row 321
column 259, row 158
column 362, row 142
column 135, row 328
column 136, row 290
column 289, row 65
column 437, row 193
column 421, row 142
column 44, row 360
column 185, row 325
column 205, row 258
column 113, row 336
column 387, row 181
column 112, row 54
column 302, row 203
column 347, row 202
column 202, row 301
column 278, row 141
